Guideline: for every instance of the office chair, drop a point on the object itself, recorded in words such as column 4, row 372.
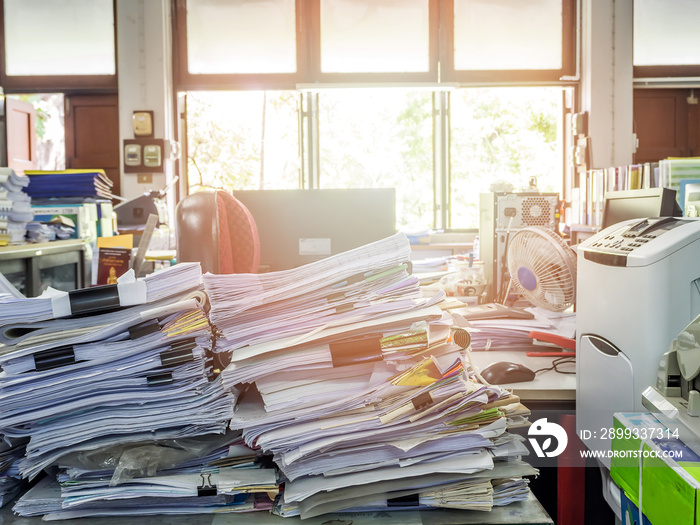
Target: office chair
column 217, row 230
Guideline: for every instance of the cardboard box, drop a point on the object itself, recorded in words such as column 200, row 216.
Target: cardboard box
column 670, row 486
column 629, row 511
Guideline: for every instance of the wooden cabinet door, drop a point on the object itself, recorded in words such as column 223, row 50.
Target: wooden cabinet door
column 21, row 135
column 92, row 134
column 667, row 123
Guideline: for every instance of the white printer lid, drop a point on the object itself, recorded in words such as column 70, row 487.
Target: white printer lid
column 640, row 242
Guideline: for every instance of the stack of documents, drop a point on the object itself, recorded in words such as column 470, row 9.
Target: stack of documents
column 79, row 183
column 55, row 304
column 11, row 452
column 15, row 207
column 433, row 419
column 211, row 474
column 129, row 385
column 151, row 380
column 507, row 333
column 349, row 380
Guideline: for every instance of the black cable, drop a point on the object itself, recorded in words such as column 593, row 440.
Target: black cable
column 556, row 363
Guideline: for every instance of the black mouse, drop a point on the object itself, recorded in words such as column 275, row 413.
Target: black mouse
column 507, row 372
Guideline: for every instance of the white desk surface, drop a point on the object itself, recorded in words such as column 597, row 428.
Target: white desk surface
column 547, row 386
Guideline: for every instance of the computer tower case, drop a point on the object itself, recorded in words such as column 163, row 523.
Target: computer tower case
column 501, row 215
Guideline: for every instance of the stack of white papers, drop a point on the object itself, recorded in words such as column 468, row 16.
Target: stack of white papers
column 15, row 207
column 152, row 380
column 11, row 452
column 350, row 382
column 207, row 474
column 514, row 334
column 55, row 304
column 136, row 384
column 367, row 283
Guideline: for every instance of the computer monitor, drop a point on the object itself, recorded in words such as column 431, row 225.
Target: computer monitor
column 636, row 204
column 297, row 227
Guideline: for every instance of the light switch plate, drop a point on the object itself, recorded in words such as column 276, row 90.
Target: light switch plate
column 132, row 154
column 152, row 156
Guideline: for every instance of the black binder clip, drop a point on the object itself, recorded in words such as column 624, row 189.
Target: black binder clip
column 98, row 299
column 143, row 329
column 159, row 379
column 412, row 500
column 206, row 488
column 179, row 353
column 422, row 400
column 54, row 358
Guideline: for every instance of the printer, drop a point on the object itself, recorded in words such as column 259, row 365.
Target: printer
column 638, row 288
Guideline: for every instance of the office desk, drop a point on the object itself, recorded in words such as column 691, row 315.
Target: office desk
column 525, row 512
column 550, row 395
column 548, row 387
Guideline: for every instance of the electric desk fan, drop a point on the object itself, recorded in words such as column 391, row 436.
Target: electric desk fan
column 542, row 268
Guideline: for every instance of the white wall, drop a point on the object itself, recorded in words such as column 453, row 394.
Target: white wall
column 606, row 80
column 145, row 73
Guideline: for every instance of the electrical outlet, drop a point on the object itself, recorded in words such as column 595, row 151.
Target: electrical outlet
column 144, row 178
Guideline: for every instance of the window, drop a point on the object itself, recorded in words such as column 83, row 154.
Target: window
column 508, row 41
column 243, row 140
column 380, row 138
column 666, row 39
column 241, row 37
column 363, row 37
column 36, row 53
column 502, row 135
column 492, row 35
column 350, row 98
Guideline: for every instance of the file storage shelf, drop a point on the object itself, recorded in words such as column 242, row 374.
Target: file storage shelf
column 31, row 268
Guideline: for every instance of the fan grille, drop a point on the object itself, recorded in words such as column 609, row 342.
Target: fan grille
column 541, row 254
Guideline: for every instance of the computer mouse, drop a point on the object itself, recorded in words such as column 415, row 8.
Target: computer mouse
column 507, row 372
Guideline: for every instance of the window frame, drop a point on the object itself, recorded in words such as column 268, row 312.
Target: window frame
column 663, row 70
column 314, row 42
column 309, row 78
column 308, row 40
column 58, row 83
column 509, row 76
column 186, row 81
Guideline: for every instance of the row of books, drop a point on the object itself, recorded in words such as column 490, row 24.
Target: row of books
column 70, row 204
column 588, row 199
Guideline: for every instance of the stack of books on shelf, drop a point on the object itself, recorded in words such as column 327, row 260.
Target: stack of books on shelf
column 69, row 185
column 15, row 207
column 70, row 204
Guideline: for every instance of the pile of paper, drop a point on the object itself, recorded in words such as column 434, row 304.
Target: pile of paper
column 214, row 474
column 25, row 315
column 11, row 452
column 351, row 383
column 508, row 333
column 15, row 207
column 129, row 386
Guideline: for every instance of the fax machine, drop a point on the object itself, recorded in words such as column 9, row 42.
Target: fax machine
column 638, row 287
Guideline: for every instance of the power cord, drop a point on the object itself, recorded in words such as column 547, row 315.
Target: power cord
column 556, row 363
